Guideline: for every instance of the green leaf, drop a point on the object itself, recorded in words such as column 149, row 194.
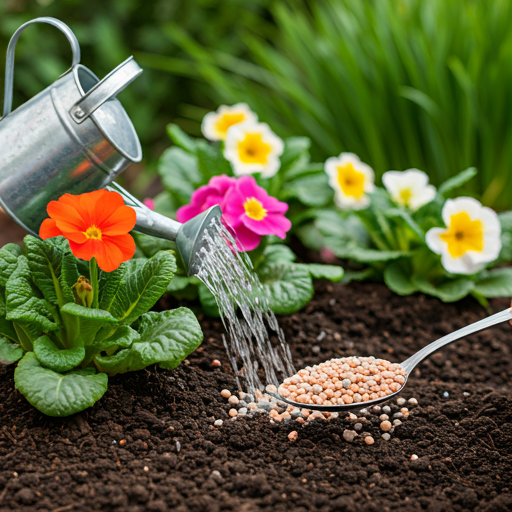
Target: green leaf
column 398, row 213
column 358, row 275
column 458, row 180
column 166, row 338
column 279, row 253
column 69, row 275
column 181, row 139
column 351, row 251
column 89, row 322
column 8, row 262
column 397, row 279
column 57, row 394
column 45, row 261
column 495, row 283
column 23, row 305
column 7, row 329
column 208, row 302
column 144, row 282
column 109, row 283
column 211, row 161
column 318, row 271
column 150, row 245
column 311, row 190
column 60, row 360
column 289, row 286
column 180, row 173
column 122, row 338
column 180, row 283
column 449, row 291
column 295, row 157
column 9, row 352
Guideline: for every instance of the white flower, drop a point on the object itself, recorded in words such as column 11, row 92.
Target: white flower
column 215, row 125
column 253, row 147
column 471, row 238
column 351, row 179
column 409, row 188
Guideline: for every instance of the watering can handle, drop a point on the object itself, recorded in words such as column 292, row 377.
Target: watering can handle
column 9, row 66
column 105, row 90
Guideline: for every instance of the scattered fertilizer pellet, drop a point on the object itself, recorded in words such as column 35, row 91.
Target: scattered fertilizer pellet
column 386, row 409
column 178, row 446
column 271, row 389
column 233, row 412
column 413, row 401
column 358, row 426
column 414, row 457
column 216, row 363
column 400, row 401
column 225, row 393
column 369, row 440
column 385, row 426
column 242, row 411
column 342, row 381
column 397, row 423
column 122, row 442
column 218, row 423
column 146, row 469
column 349, row 435
column 292, row 436
column 386, row 436
column 383, row 417
column 233, row 400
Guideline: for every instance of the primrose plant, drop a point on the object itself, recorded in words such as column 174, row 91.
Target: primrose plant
column 265, row 188
column 411, row 236
column 70, row 325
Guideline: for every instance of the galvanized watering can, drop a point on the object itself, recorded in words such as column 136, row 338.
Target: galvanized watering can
column 75, row 137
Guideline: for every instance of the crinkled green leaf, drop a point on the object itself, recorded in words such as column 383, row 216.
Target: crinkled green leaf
column 7, row 329
column 55, row 358
column 8, row 261
column 208, row 302
column 318, row 271
column 166, row 338
column 495, row 283
column 9, row 352
column 278, row 253
column 397, row 279
column 458, row 180
column 23, row 305
column 89, row 321
column 289, row 286
column 69, row 275
column 150, row 245
column 45, row 261
column 180, row 173
column 211, row 161
column 295, row 157
column 58, row 394
column 181, row 139
column 449, row 291
column 109, row 283
column 121, row 338
column 144, row 282
column 312, row 190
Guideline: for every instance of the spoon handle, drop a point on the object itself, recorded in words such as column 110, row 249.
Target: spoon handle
column 425, row 352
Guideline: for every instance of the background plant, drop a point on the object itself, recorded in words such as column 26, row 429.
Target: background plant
column 419, row 83
column 66, row 350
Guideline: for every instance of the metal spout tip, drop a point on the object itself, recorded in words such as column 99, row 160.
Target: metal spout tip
column 190, row 237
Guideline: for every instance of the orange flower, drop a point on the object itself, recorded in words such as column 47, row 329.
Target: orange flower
column 96, row 225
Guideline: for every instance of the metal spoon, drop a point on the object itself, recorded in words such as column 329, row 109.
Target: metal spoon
column 409, row 364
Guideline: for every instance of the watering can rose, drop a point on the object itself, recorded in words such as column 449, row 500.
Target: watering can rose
column 246, row 208
column 96, row 224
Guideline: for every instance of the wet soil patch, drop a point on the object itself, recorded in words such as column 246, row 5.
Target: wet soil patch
column 150, row 443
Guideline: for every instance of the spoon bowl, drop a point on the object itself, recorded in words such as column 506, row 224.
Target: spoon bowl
column 409, row 364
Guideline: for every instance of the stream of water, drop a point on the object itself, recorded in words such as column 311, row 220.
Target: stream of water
column 255, row 343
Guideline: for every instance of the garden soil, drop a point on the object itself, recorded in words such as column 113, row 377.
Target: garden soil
column 150, row 443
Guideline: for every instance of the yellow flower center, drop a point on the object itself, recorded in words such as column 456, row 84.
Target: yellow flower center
column 463, row 234
column 252, row 149
column 351, row 181
column 93, row 233
column 405, row 196
column 226, row 121
column 254, row 209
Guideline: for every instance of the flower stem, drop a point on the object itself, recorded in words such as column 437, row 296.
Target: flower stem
column 93, row 274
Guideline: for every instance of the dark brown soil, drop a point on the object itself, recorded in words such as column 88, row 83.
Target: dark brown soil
column 150, row 443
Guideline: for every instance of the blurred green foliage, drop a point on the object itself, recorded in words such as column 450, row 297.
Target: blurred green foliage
column 401, row 83
column 109, row 32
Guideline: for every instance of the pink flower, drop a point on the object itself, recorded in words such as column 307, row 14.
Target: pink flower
column 205, row 197
column 247, row 209
column 149, row 203
column 252, row 213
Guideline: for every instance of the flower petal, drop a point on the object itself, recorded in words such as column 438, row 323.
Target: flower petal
column 433, row 239
column 272, row 224
column 125, row 243
column 247, row 240
column 67, row 215
column 49, row 229
column 120, row 222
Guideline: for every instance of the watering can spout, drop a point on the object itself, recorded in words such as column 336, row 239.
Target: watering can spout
column 188, row 236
